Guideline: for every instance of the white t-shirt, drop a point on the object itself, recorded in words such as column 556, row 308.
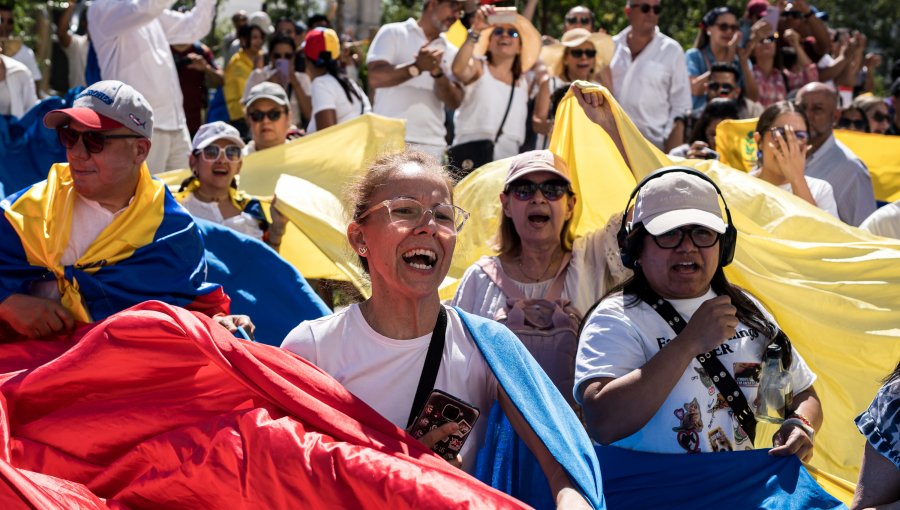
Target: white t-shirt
column 595, row 268
column 77, row 53
column 885, row 221
column 821, row 191
column 243, row 222
column 482, row 109
column 327, row 94
column 25, row 55
column 413, row 100
column 694, row 417
column 385, row 372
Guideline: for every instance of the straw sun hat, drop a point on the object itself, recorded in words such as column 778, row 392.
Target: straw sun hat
column 528, row 35
column 553, row 55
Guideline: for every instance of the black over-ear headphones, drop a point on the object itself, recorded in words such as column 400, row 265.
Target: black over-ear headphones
column 628, row 247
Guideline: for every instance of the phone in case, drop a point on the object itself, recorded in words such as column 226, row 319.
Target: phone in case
column 441, row 408
column 502, row 16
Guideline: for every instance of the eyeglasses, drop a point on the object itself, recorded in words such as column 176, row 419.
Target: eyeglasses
column 791, row 14
column 880, row 117
column 276, row 56
column 211, row 153
column 725, row 27
column 578, row 53
column 258, row 115
column 859, row 124
column 578, row 20
column 723, row 88
column 448, row 217
column 801, row 135
column 702, row 237
column 512, row 32
column 94, row 141
column 552, row 190
column 645, row 8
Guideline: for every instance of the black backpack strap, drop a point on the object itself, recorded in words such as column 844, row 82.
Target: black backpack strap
column 432, row 364
column 714, row 368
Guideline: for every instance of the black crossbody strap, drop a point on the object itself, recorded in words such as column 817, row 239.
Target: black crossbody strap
column 714, row 368
column 512, row 92
column 432, row 364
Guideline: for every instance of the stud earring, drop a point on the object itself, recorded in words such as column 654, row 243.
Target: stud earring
column 363, row 250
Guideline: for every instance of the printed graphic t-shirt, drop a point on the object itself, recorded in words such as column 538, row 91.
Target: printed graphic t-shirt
column 694, row 417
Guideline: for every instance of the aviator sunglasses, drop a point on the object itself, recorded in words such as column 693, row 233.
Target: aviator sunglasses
column 94, row 141
column 578, row 53
column 552, row 190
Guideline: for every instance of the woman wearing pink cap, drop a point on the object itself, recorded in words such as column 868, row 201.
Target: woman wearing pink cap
column 335, row 98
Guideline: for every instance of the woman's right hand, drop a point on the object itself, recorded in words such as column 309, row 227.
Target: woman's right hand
column 789, row 154
column 711, row 325
column 439, row 434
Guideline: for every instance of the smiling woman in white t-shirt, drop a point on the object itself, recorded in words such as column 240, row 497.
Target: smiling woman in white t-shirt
column 335, row 98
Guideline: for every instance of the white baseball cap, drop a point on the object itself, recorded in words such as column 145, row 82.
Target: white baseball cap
column 677, row 199
column 218, row 130
column 105, row 105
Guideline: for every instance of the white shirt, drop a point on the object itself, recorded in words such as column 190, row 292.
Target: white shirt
column 77, row 53
column 19, row 85
column 327, row 94
column 849, row 178
column 617, row 340
column 25, row 55
column 413, row 100
column 482, row 109
column 132, row 38
column 652, row 88
column 821, row 191
column 258, row 76
column 885, row 221
column 243, row 222
column 385, row 372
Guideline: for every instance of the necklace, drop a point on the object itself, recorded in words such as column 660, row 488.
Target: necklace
column 543, row 273
column 205, row 198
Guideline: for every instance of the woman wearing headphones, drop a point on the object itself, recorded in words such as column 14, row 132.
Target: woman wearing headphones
column 677, row 359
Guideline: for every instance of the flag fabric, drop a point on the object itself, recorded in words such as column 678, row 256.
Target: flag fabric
column 159, row 407
column 260, row 284
column 27, row 148
column 150, row 251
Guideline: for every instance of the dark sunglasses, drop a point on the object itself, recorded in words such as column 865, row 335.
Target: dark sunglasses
column 276, row 56
column 524, row 190
column 880, row 117
column 725, row 27
column 645, row 8
column 259, row 115
column 791, row 14
column 579, row 20
column 859, row 124
column 725, row 88
column 94, row 141
column 702, row 237
column 578, row 53
column 512, row 32
column 211, row 153
column 769, row 40
column 801, row 135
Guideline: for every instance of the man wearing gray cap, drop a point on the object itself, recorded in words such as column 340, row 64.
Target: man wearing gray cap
column 99, row 235
column 268, row 113
column 132, row 42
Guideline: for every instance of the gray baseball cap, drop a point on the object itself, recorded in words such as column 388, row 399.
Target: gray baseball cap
column 218, row 130
column 677, row 199
column 266, row 90
column 108, row 104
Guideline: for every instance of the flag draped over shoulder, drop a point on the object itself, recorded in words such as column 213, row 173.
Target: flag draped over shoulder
column 159, row 407
column 149, row 251
column 831, row 287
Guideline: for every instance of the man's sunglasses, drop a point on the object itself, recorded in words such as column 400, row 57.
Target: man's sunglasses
column 723, row 88
column 552, row 190
column 578, row 20
column 94, row 141
column 578, row 53
column 880, row 117
column 512, row 32
column 858, row 124
column 645, row 8
column 259, row 115
column 211, row 153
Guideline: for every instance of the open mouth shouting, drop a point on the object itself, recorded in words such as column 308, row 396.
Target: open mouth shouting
column 420, row 258
column 538, row 220
column 686, row 267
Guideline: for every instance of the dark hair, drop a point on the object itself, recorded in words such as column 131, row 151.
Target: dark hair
column 318, row 18
column 280, row 38
column 767, row 119
column 517, row 63
column 709, row 19
column 747, row 311
column 893, row 376
column 245, row 32
column 717, row 108
column 853, row 108
column 358, row 193
column 332, row 66
column 726, row 67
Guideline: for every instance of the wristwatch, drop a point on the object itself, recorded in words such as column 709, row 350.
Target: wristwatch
column 413, row 71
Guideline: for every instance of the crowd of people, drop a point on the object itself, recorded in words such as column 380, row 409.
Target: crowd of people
column 652, row 348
